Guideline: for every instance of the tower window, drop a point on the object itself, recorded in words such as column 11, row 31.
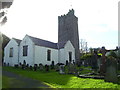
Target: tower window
column 48, row 55
column 25, row 50
column 11, row 52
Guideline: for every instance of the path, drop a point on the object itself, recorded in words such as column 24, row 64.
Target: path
column 23, row 82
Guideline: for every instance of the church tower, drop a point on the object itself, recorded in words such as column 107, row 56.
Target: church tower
column 68, row 30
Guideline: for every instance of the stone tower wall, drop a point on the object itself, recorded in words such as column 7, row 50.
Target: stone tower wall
column 68, row 30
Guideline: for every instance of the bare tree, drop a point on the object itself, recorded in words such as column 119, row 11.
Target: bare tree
column 83, row 46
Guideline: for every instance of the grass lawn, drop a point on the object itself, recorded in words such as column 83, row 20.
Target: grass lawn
column 6, row 83
column 55, row 80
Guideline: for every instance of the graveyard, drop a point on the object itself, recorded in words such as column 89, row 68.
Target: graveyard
column 56, row 80
column 96, row 72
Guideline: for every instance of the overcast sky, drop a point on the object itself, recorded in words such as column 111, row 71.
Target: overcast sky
column 97, row 20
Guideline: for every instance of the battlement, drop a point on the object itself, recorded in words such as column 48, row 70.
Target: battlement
column 70, row 13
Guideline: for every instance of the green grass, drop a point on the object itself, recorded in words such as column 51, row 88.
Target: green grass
column 55, row 80
column 0, row 77
column 6, row 83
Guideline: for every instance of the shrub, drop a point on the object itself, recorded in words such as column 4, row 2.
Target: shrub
column 112, row 54
column 85, row 56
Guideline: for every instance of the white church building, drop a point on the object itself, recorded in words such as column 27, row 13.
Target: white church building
column 33, row 50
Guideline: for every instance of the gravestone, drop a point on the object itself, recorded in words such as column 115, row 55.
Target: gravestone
column 46, row 68
column 111, row 70
column 8, row 64
column 4, row 64
column 27, row 66
column 66, row 62
column 16, row 65
column 30, row 67
column 52, row 65
column 61, row 69
column 74, row 62
column 103, row 60
column 94, row 62
column 118, row 64
column 20, row 64
column 41, row 67
column 23, row 66
column 56, row 67
column 71, row 68
column 66, row 69
column 35, row 67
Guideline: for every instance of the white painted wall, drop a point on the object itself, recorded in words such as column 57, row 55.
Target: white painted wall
column 11, row 60
column 36, row 54
column 64, row 52
column 61, row 56
column 30, row 55
column 41, row 55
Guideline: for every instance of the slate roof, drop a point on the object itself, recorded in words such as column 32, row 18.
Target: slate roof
column 61, row 45
column 44, row 43
column 17, row 40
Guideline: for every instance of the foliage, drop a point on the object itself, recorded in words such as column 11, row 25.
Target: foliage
column 118, row 54
column 85, row 56
column 55, row 80
column 91, row 50
column 85, row 70
column 113, row 54
column 6, row 82
column 100, row 54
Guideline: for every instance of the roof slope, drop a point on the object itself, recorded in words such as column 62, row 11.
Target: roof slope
column 61, row 44
column 17, row 40
column 44, row 43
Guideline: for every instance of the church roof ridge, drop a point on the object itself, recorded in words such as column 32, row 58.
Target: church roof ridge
column 17, row 40
column 45, row 43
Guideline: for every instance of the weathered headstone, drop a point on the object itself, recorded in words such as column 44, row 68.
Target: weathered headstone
column 46, row 68
column 30, row 67
column 27, row 66
column 73, row 62
column 103, row 58
column 66, row 62
column 52, row 65
column 66, row 69
column 94, row 61
column 8, row 64
column 111, row 70
column 35, row 67
column 118, row 64
column 16, row 65
column 71, row 68
column 4, row 64
column 23, row 66
column 56, row 67
column 61, row 69
column 41, row 67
